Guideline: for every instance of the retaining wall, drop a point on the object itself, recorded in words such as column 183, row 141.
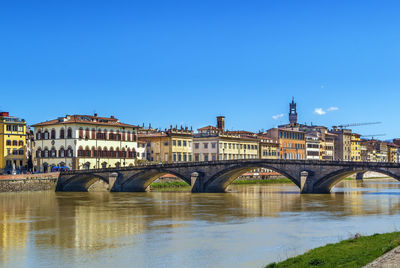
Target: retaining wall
column 28, row 182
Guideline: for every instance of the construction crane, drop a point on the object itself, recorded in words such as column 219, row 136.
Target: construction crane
column 373, row 136
column 356, row 125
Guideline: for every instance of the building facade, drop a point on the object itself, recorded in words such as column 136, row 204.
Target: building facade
column 313, row 146
column 12, row 144
column 342, row 144
column 169, row 146
column 292, row 143
column 84, row 142
column 355, row 147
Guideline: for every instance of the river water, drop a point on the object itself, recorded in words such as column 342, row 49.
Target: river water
column 249, row 227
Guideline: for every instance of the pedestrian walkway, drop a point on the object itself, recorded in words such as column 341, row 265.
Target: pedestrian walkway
column 388, row 260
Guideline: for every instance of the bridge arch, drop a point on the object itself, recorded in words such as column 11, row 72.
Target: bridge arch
column 327, row 182
column 222, row 179
column 140, row 181
column 85, row 182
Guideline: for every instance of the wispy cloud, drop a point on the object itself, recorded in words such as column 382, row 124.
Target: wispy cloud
column 331, row 109
column 276, row 117
column 321, row 111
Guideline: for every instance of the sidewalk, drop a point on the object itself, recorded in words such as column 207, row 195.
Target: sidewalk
column 390, row 259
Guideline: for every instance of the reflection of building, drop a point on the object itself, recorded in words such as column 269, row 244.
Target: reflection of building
column 171, row 145
column 85, row 142
column 12, row 143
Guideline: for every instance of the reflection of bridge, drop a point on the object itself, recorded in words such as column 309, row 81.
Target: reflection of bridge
column 215, row 176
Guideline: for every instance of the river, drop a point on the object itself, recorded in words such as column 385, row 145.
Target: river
column 250, row 226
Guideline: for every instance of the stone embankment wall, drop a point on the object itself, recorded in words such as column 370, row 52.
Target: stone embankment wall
column 28, row 182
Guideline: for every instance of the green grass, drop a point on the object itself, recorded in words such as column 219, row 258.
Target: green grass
column 354, row 252
column 170, row 186
column 268, row 181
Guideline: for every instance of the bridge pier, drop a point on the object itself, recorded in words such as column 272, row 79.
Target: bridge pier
column 360, row 176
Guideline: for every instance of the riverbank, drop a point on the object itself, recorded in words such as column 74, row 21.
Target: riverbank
column 28, row 182
column 357, row 251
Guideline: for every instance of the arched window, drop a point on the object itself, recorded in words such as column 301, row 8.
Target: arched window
column 53, row 152
column 80, row 151
column 123, row 153
column 117, row 152
column 134, row 137
column 61, row 152
column 81, row 133
column 46, row 135
column 93, row 134
column 69, row 133
column 21, row 151
column 87, row 151
column 128, row 136
column 111, row 152
column 123, row 138
column 62, row 134
column 70, row 152
column 46, row 152
column 94, row 152
column 118, row 136
column 21, row 143
column 38, row 153
column 53, row 134
column 87, row 134
column 111, row 135
column 105, row 152
column 99, row 152
column 15, row 143
column 38, row 135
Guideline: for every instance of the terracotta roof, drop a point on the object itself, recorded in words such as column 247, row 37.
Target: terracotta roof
column 240, row 132
column 208, row 128
column 152, row 135
column 84, row 119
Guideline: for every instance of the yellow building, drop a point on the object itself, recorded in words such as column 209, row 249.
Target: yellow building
column 355, row 147
column 12, row 144
column 169, row 146
column 392, row 153
column 268, row 148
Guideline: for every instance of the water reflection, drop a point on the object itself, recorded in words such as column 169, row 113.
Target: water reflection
column 101, row 228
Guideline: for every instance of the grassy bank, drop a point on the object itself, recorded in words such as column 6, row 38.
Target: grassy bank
column 170, row 186
column 268, row 181
column 354, row 252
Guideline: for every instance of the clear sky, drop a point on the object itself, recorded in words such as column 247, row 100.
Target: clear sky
column 185, row 62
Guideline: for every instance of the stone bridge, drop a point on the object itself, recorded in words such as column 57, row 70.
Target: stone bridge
column 215, row 176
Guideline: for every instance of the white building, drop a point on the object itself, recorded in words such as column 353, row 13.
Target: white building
column 312, row 146
column 85, row 142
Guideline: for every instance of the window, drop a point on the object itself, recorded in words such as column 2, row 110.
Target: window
column 38, row 135
column 179, row 143
column 213, row 145
column 174, row 157
column 46, row 135
column 205, row 145
column 184, row 143
column 166, row 143
column 69, row 133
column 196, row 146
column 8, row 127
column 14, row 143
column 21, row 152
column 62, row 134
column 15, row 128
column 174, row 142
column 21, row 143
column 205, row 156
column 81, row 133
column 8, row 142
column 53, row 134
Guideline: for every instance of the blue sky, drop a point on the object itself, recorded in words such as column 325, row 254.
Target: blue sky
column 185, row 62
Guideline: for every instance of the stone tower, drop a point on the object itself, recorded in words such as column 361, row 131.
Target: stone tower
column 221, row 123
column 292, row 113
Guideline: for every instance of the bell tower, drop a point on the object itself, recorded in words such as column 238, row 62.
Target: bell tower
column 292, row 113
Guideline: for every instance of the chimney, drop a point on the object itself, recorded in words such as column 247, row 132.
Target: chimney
column 95, row 114
column 112, row 117
column 221, row 123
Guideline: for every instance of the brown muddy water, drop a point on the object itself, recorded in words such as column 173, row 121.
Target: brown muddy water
column 250, row 226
